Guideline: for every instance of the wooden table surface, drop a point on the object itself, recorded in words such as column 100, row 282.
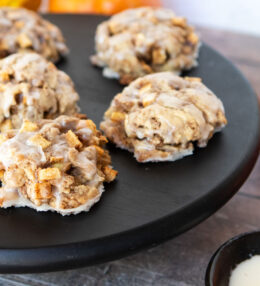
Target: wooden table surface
column 183, row 260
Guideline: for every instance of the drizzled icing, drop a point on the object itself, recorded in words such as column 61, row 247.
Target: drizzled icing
column 19, row 145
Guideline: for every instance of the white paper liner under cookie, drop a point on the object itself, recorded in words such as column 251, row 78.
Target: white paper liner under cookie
column 21, row 201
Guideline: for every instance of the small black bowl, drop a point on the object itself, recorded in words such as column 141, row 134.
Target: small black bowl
column 229, row 255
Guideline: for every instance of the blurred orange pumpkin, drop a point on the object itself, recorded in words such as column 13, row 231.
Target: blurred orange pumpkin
column 97, row 6
column 29, row 4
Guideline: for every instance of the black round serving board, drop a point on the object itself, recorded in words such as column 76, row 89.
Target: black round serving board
column 150, row 202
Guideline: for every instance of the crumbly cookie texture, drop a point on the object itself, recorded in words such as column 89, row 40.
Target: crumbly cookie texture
column 33, row 88
column 58, row 165
column 159, row 117
column 24, row 30
column 145, row 40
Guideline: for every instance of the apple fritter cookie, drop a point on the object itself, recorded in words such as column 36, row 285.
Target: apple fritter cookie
column 161, row 116
column 58, row 165
column 24, row 30
column 145, row 40
column 33, row 88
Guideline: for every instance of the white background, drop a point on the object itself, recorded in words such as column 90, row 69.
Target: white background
column 235, row 15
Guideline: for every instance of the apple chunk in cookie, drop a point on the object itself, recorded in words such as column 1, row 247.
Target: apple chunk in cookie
column 145, row 40
column 160, row 117
column 58, row 165
column 32, row 88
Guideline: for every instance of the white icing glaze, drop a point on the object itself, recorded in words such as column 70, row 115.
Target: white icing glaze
column 19, row 144
column 246, row 273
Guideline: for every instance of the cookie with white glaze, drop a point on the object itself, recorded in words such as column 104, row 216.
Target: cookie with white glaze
column 58, row 165
column 33, row 88
column 145, row 40
column 160, row 117
column 24, row 30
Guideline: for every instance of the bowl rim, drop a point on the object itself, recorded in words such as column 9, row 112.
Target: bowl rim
column 214, row 258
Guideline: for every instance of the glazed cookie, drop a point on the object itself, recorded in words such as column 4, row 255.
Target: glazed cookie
column 33, row 88
column 58, row 165
column 24, row 30
column 159, row 117
column 145, row 40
